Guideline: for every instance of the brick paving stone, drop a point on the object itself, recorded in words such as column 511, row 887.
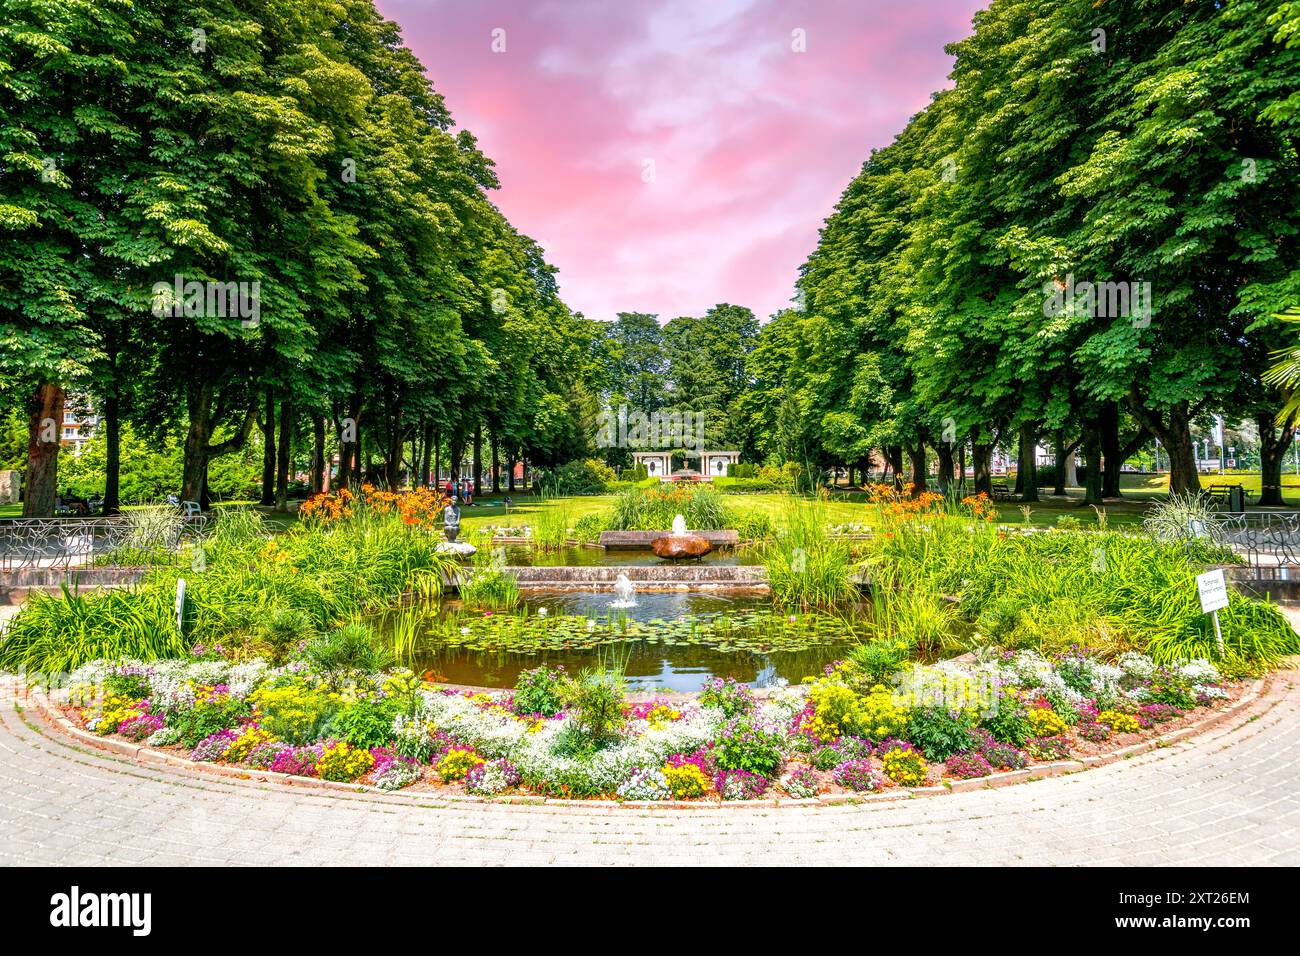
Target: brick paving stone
column 1230, row 796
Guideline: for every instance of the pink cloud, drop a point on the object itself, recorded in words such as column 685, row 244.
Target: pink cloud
column 751, row 142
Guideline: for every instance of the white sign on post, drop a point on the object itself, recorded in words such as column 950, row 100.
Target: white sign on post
column 180, row 605
column 1213, row 589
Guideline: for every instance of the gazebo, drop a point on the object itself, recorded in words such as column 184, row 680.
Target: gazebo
column 713, row 464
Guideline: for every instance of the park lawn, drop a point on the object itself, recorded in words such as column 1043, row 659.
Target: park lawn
column 844, row 507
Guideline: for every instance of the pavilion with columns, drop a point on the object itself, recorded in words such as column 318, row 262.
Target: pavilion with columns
column 713, row 464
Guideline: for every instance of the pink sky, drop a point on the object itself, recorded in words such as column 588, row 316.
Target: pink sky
column 751, row 142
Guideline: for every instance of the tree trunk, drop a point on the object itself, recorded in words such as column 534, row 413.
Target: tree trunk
column 1060, row 452
column 457, row 450
column 437, row 458
column 1027, row 470
column 478, row 459
column 916, row 455
column 44, row 431
column 1092, row 488
column 194, row 473
column 961, row 477
column 1273, row 445
column 426, row 461
column 112, row 434
column 944, row 450
column 112, row 448
column 1175, row 432
column 318, row 480
column 496, row 465
column 282, row 458
column 510, row 475
column 982, row 462
column 268, row 449
column 1112, row 456
column 894, row 459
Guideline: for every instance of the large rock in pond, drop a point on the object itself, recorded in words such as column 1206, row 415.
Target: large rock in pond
column 678, row 546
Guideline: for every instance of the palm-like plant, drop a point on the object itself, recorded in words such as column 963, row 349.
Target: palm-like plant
column 1285, row 373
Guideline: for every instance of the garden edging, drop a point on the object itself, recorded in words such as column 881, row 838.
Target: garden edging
column 1251, row 692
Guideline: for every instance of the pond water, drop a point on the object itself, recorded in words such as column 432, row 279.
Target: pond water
column 669, row 641
column 526, row 556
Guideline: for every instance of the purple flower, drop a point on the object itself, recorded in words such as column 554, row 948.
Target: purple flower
column 858, row 775
column 740, row 785
column 214, row 746
column 967, row 764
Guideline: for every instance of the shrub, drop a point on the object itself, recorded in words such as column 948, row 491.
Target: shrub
column 801, row 784
column 347, row 652
column 537, row 691
column 216, row 711
column 858, row 775
column 907, row 768
column 653, row 509
column 728, row 695
column 293, row 712
column 880, row 718
column 968, row 764
column 645, row 784
column 588, row 527
column 685, row 780
column 1044, row 722
column 940, row 732
column 597, row 697
column 1009, row 722
column 740, row 785
column 826, row 758
column 879, row 659
column 365, row 723
column 412, row 738
column 588, row 476
column 343, row 762
column 1120, row 723
column 743, row 745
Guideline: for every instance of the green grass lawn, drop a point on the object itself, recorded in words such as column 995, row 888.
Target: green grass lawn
column 1139, row 492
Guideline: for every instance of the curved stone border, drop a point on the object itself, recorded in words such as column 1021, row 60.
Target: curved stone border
column 148, row 756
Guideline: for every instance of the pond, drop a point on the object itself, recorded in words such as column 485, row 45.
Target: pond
column 672, row 641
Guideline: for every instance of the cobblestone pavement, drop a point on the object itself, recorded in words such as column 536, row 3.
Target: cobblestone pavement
column 1227, row 797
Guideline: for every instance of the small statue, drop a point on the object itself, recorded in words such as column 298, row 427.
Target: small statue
column 451, row 520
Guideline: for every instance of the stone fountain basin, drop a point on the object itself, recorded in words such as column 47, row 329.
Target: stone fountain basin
column 676, row 547
column 643, row 540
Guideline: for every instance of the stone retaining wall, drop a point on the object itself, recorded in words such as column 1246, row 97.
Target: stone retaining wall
column 681, row 576
column 641, row 540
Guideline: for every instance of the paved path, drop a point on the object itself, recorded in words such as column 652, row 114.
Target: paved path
column 1229, row 797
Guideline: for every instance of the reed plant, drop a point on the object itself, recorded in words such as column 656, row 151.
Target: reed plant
column 806, row 567
column 316, row 575
column 653, row 509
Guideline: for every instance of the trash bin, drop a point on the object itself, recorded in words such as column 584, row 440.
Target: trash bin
column 1236, row 500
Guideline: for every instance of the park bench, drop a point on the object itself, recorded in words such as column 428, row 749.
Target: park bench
column 1229, row 496
column 1000, row 492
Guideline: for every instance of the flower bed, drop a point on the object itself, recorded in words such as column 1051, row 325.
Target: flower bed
column 561, row 735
